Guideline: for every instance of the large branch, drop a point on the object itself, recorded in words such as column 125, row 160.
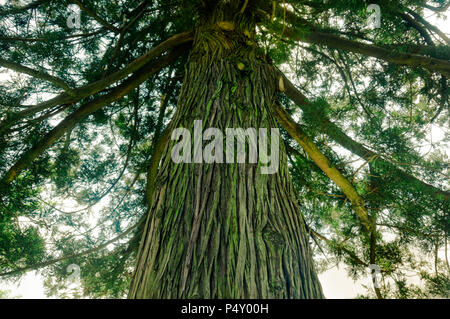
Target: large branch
column 310, row 33
column 325, row 165
column 37, row 74
column 438, row 9
column 337, row 42
column 430, row 26
column 416, row 25
column 334, row 132
column 70, row 121
column 99, row 85
column 152, row 171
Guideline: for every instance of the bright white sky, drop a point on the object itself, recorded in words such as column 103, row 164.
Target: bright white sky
column 335, row 282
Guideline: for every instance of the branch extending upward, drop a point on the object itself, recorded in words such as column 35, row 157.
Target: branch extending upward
column 37, row 74
column 70, row 121
column 333, row 131
column 438, row 9
column 338, row 42
column 331, row 171
column 312, row 34
column 95, row 87
column 430, row 26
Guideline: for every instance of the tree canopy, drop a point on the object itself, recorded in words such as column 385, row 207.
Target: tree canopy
column 84, row 110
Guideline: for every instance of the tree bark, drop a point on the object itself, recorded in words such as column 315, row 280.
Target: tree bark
column 224, row 230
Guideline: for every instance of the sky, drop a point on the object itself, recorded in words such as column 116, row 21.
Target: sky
column 335, row 282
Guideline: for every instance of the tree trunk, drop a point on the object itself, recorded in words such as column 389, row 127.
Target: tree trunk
column 225, row 230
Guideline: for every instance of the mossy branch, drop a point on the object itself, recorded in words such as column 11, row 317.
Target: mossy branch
column 70, row 121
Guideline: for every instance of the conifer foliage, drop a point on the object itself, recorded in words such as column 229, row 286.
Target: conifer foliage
column 90, row 92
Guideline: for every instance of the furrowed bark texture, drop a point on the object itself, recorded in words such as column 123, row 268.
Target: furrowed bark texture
column 224, row 230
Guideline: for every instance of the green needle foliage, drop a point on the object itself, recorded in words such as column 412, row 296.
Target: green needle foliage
column 79, row 129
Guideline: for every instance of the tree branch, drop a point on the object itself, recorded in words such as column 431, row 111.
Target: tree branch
column 72, row 36
column 439, row 9
column 350, row 253
column 99, row 85
column 337, row 42
column 416, row 25
column 315, row 35
column 332, row 172
column 152, row 171
column 85, row 110
column 333, row 131
column 37, row 74
column 430, row 27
